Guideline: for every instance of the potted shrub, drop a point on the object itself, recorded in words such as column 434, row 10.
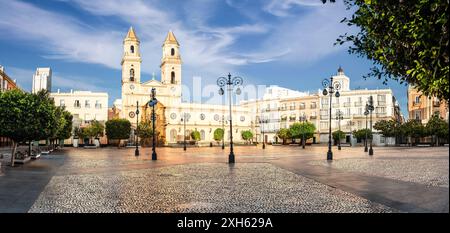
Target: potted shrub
column 195, row 135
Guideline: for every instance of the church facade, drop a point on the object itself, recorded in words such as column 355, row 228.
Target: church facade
column 171, row 111
column 278, row 108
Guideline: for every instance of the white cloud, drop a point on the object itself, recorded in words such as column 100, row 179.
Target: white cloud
column 60, row 36
column 282, row 7
column 311, row 35
column 205, row 49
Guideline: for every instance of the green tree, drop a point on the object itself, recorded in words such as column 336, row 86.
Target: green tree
column 338, row 135
column 25, row 117
column 95, row 130
column 284, row 134
column 86, row 134
column 195, row 135
column 65, row 131
column 386, row 128
column 406, row 40
column 14, row 119
column 247, row 135
column 361, row 134
column 297, row 130
column 79, row 133
column 218, row 134
column 437, row 128
column 414, row 130
column 145, row 132
column 389, row 128
column 60, row 122
column 47, row 117
column 118, row 129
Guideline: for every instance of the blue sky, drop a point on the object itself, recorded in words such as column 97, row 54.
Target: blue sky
column 282, row 42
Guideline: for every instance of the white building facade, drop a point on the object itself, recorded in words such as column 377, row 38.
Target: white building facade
column 42, row 80
column 85, row 106
column 268, row 114
column 351, row 104
column 280, row 110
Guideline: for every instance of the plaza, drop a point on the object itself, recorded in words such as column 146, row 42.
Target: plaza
column 286, row 179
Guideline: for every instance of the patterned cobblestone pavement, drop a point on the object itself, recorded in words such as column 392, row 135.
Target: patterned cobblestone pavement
column 201, row 187
column 425, row 169
column 277, row 179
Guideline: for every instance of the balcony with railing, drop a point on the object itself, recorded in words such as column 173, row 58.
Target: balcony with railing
column 312, row 117
column 381, row 103
column 347, row 104
column 335, row 105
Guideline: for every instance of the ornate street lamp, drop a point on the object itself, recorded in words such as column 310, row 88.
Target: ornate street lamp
column 339, row 117
column 262, row 122
column 136, row 152
column 303, row 120
column 184, row 119
column 230, row 83
column 371, row 108
column 366, row 113
column 153, row 101
column 330, row 88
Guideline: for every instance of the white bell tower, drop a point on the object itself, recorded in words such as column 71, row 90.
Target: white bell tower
column 171, row 65
column 131, row 59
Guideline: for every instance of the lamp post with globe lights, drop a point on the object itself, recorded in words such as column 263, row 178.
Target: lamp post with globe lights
column 185, row 118
column 330, row 88
column 371, row 108
column 136, row 151
column 262, row 121
column 366, row 113
column 230, row 82
column 153, row 101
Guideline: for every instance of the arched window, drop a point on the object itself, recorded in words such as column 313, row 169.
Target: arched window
column 172, row 77
column 132, row 49
column 202, row 135
column 132, row 75
column 172, row 52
